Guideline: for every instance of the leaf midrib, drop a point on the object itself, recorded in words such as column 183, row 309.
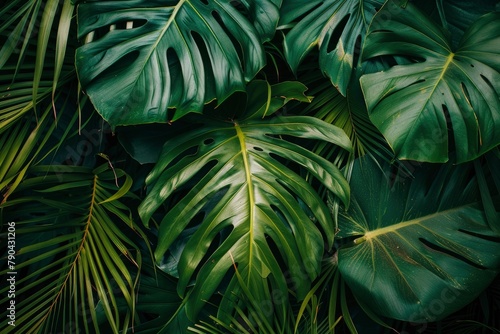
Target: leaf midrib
column 78, row 253
column 251, row 199
column 392, row 228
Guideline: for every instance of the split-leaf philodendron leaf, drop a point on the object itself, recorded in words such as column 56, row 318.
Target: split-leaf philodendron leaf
column 144, row 57
column 446, row 98
column 422, row 247
column 338, row 28
column 239, row 192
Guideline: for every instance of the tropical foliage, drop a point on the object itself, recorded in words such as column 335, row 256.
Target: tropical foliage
column 253, row 166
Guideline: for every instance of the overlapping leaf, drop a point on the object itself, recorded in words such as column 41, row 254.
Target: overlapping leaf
column 159, row 308
column 155, row 55
column 28, row 142
column 74, row 248
column 457, row 16
column 348, row 113
column 422, row 248
column 447, row 98
column 239, row 194
column 33, row 57
column 337, row 27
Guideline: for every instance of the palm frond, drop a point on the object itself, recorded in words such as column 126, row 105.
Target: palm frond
column 36, row 55
column 76, row 246
column 348, row 113
column 30, row 141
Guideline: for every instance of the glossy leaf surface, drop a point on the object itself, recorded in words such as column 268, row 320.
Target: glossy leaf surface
column 446, row 98
column 241, row 193
column 338, row 28
column 73, row 247
column 422, row 248
column 156, row 55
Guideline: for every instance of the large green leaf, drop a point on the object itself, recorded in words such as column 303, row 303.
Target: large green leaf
column 232, row 184
column 337, row 27
column 75, row 247
column 421, row 248
column 175, row 54
column 416, row 106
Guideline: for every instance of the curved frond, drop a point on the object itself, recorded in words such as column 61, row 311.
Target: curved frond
column 30, row 142
column 36, row 55
column 76, row 246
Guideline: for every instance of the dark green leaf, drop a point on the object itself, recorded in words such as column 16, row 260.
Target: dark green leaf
column 256, row 199
column 338, row 28
column 416, row 106
column 154, row 55
column 73, row 249
column 422, row 248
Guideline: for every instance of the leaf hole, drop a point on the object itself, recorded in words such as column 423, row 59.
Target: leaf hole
column 129, row 24
column 236, row 45
column 491, row 238
column 416, row 82
column 451, row 253
column 357, row 51
column 449, row 126
column 175, row 68
column 415, row 59
column 381, row 31
column 97, row 34
column 466, row 94
column 209, row 141
column 336, row 34
column 258, row 149
column 207, row 65
column 119, row 25
column 197, row 219
column 488, row 82
column 207, row 253
column 275, row 249
column 292, row 166
column 239, row 5
column 279, row 213
column 205, row 2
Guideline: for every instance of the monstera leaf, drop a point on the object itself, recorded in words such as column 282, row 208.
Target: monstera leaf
column 421, row 248
column 336, row 27
column 444, row 93
column 232, row 183
column 155, row 55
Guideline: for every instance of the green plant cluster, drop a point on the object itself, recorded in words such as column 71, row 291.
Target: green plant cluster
column 250, row 166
